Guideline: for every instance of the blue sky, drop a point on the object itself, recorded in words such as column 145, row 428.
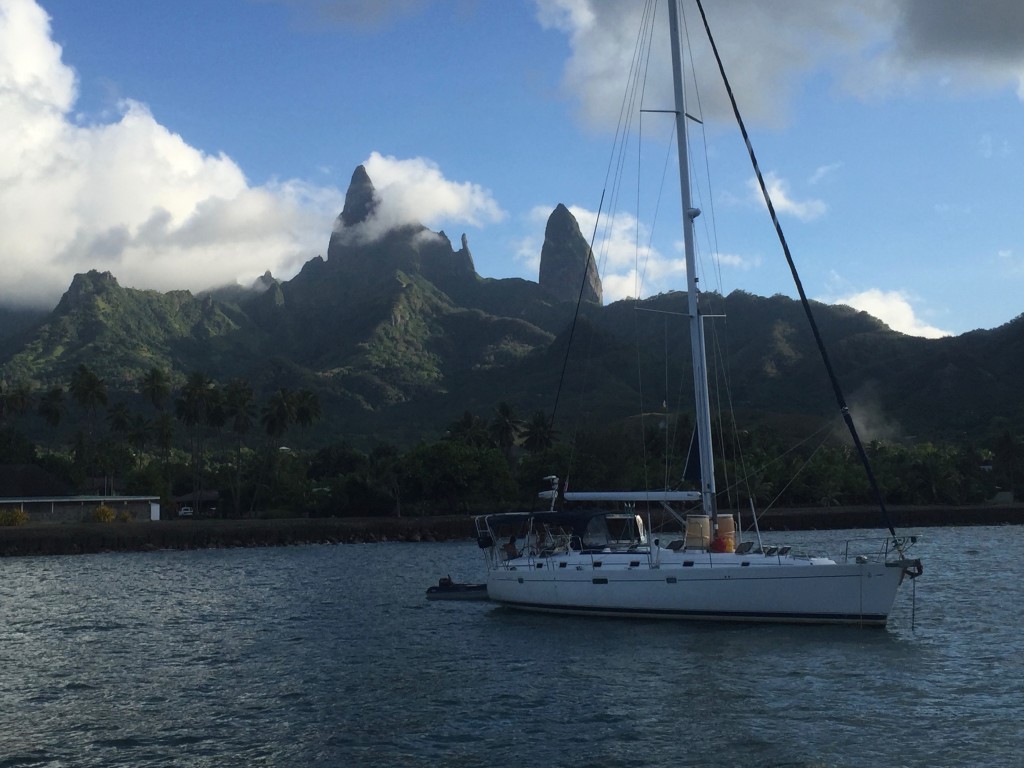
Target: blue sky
column 189, row 144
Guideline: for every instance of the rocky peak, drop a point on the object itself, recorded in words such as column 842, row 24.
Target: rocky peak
column 92, row 281
column 565, row 262
column 85, row 286
column 360, row 199
column 410, row 248
column 265, row 281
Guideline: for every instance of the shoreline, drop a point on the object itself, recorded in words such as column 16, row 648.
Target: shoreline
column 42, row 539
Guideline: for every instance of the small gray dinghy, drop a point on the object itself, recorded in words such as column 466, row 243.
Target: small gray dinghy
column 447, row 589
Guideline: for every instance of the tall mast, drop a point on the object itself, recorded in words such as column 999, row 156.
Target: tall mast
column 700, row 372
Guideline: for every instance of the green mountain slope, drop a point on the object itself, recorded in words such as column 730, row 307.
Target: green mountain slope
column 400, row 336
column 123, row 332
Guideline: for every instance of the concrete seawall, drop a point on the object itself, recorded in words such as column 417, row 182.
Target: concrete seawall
column 830, row 518
column 83, row 538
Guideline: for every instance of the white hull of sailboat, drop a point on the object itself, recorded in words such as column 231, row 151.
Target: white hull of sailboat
column 796, row 592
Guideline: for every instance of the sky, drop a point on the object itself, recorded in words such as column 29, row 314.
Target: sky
column 192, row 144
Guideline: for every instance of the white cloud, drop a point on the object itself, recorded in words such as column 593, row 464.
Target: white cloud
column 415, row 191
column 778, row 189
column 130, row 195
column 526, row 251
column 1010, row 261
column 822, row 172
column 627, row 264
column 872, row 48
column 735, row 261
column 894, row 309
column 627, row 270
column 990, row 147
column 968, row 45
column 30, row 61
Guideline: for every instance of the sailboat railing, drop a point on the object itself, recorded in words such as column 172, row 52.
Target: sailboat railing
column 659, row 496
column 878, row 550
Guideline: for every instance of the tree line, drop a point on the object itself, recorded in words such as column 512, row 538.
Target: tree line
column 202, row 436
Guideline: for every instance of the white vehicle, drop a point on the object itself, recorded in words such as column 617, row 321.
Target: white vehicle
column 185, row 512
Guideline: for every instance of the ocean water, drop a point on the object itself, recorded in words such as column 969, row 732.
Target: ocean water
column 331, row 656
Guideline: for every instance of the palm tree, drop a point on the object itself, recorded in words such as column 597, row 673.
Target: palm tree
column 156, row 386
column 88, row 389
column 276, row 416
column 539, row 433
column 163, row 432
column 279, row 413
column 384, row 473
column 307, row 408
column 90, row 392
column 119, row 417
column 470, row 430
column 51, row 406
column 16, row 400
column 239, row 412
column 138, row 435
column 196, row 407
column 1008, row 454
column 504, row 428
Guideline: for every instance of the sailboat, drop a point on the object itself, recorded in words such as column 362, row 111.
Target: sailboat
column 593, row 553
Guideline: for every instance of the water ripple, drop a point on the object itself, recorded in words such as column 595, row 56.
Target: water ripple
column 329, row 656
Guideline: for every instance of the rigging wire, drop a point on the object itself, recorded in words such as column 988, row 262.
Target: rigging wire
column 792, row 480
column 636, row 257
column 745, row 478
column 575, row 317
column 722, row 379
column 641, row 274
column 837, row 391
column 613, row 174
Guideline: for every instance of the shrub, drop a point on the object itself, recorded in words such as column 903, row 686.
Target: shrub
column 103, row 514
column 124, row 516
column 13, row 516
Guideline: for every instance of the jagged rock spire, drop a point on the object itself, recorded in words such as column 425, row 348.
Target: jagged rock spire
column 360, row 199
column 466, row 255
column 564, row 258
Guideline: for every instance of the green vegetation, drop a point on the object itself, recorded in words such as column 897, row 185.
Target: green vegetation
column 104, row 513
column 392, row 381
column 12, row 516
column 256, row 456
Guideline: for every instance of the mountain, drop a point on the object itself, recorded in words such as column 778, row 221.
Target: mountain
column 400, row 336
column 123, row 332
column 565, row 260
